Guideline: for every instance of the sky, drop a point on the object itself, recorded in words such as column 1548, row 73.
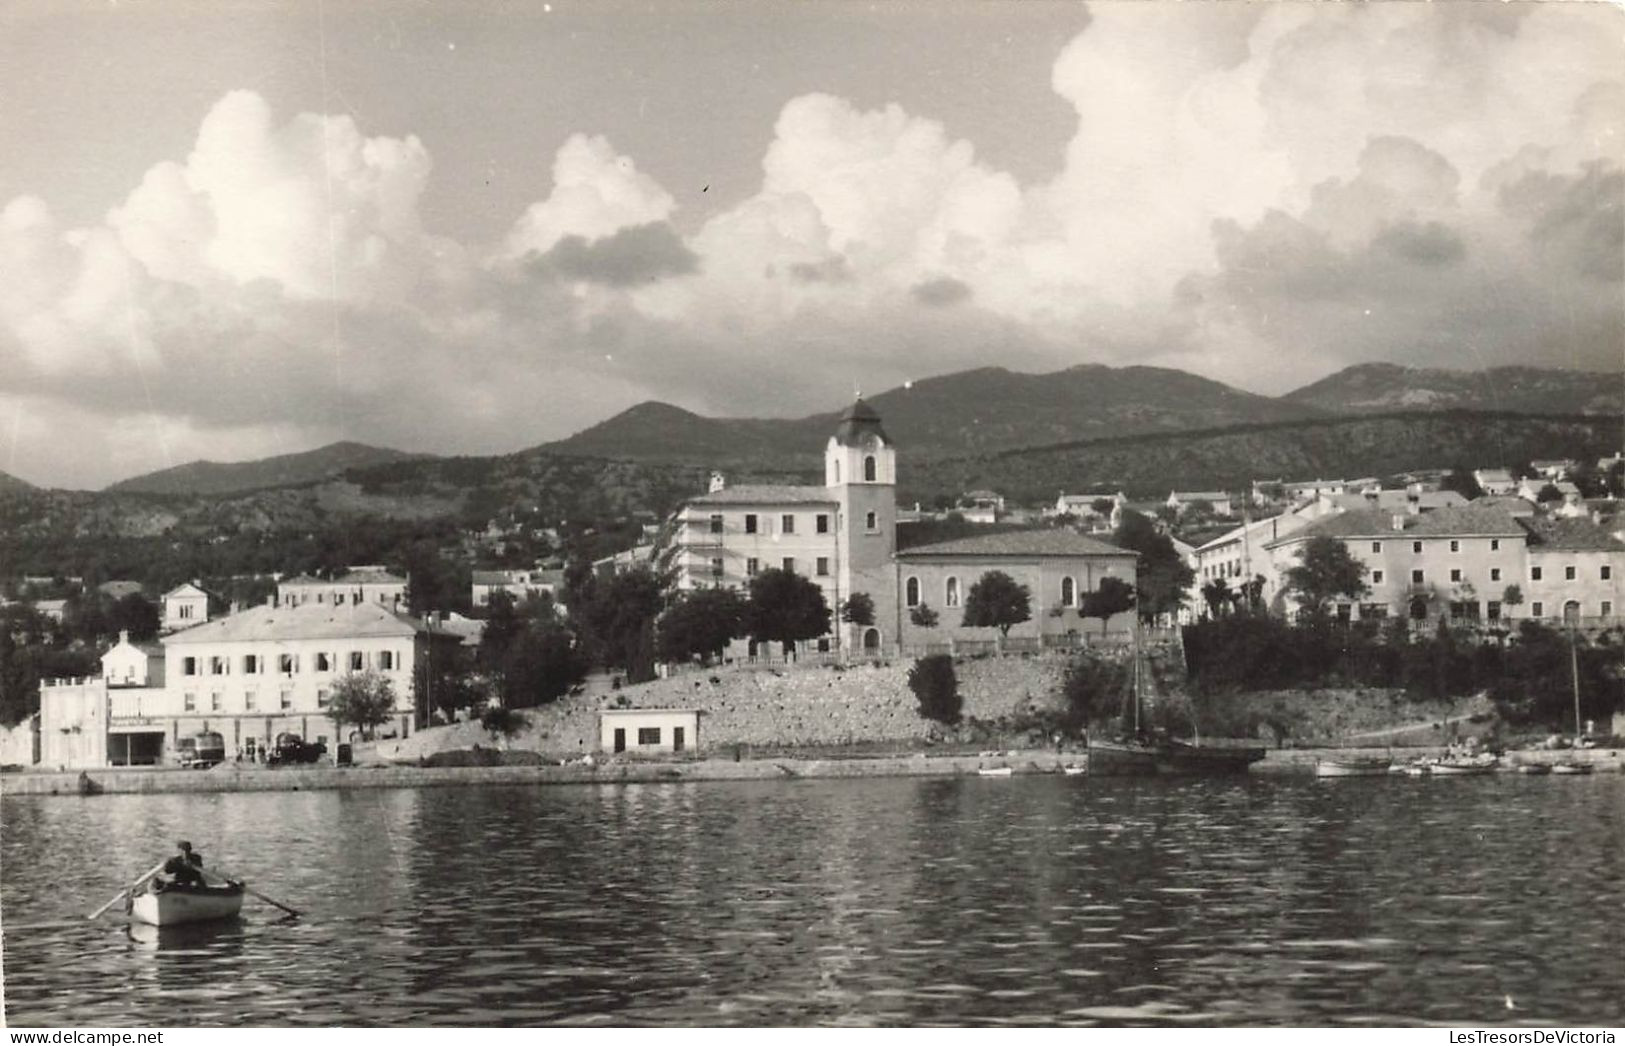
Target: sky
column 237, row 228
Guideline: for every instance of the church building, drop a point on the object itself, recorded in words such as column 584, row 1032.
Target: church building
column 843, row 537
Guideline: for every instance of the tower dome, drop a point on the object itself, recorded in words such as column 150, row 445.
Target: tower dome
column 859, row 421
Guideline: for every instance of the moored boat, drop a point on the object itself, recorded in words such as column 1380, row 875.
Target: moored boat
column 1073, row 770
column 1121, row 758
column 1571, row 768
column 994, row 771
column 1353, row 766
column 1465, row 765
column 1534, row 769
column 177, row 906
column 1182, row 757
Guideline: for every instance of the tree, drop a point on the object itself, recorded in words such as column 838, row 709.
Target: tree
column 1513, row 596
column 618, row 620
column 936, row 688
column 1463, row 482
column 1163, row 573
column 364, row 699
column 1216, row 594
column 859, row 609
column 785, row 608
column 997, row 601
column 502, row 626
column 1103, row 506
column 1325, row 569
column 703, row 622
column 432, row 583
column 444, row 676
column 1548, row 494
column 541, row 666
column 137, row 615
column 1113, row 596
column 923, row 616
column 1252, row 594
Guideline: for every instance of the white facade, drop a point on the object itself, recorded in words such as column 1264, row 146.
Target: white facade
column 185, row 606
column 649, row 731
column 357, row 585
column 520, row 584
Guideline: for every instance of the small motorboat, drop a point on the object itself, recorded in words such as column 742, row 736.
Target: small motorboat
column 995, row 771
column 1461, row 766
column 1534, row 769
column 1571, row 768
column 1418, row 770
column 177, row 906
column 1073, row 770
column 1353, row 766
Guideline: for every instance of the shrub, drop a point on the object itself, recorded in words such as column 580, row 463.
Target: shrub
column 936, row 688
column 502, row 721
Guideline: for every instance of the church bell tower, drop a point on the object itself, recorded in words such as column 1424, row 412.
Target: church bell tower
column 860, row 471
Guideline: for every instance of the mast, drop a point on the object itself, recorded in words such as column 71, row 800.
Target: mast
column 1136, row 675
column 1574, row 676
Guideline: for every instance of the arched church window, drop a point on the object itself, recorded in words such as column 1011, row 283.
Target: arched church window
column 869, row 469
column 1068, row 591
column 912, row 592
column 950, row 593
column 837, row 471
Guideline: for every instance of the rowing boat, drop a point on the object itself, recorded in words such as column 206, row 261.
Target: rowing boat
column 1352, row 766
column 1459, row 767
column 1073, row 770
column 1571, row 768
column 179, row 905
column 997, row 771
column 1534, row 769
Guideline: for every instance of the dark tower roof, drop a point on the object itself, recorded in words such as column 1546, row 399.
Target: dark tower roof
column 860, row 420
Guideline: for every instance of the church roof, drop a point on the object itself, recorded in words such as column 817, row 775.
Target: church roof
column 765, row 494
column 1055, row 542
column 859, row 421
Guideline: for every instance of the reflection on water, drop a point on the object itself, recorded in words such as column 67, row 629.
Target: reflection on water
column 1037, row 900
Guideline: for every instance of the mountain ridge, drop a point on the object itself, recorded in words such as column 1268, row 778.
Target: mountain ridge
column 203, row 477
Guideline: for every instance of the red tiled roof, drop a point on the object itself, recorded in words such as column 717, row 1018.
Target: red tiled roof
column 765, row 494
column 1469, row 520
column 1571, row 535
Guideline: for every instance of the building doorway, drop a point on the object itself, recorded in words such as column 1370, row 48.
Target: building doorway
column 871, row 640
column 1571, row 612
column 620, row 739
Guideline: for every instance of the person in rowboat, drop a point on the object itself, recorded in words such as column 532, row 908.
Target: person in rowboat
column 185, row 869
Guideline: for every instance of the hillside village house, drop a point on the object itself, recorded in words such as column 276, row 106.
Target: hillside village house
column 520, row 584
column 369, row 584
column 184, row 606
column 1182, row 500
column 843, row 537
column 1241, row 554
column 1083, row 506
column 1461, row 562
column 1495, row 482
column 981, row 506
column 248, row 676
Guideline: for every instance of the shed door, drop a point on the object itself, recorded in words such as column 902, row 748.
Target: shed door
column 676, row 739
column 620, row 739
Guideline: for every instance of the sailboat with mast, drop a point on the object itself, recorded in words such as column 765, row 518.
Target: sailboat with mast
column 1133, row 755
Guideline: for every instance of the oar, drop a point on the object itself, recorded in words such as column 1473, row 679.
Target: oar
column 154, row 870
column 250, row 890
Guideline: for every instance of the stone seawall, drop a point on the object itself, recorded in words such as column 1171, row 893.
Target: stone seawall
column 798, row 707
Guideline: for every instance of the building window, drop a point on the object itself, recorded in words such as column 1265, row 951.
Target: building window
column 321, row 698
column 386, row 660
column 1534, row 573
column 1495, row 573
column 869, row 469
column 871, row 522
column 217, row 665
column 188, row 666
column 358, row 661
column 214, row 701
column 648, row 735
column 716, row 567
column 287, row 664
column 1607, row 608
column 1376, row 577
column 324, row 662
column 821, row 523
column 911, row 592
column 1568, row 573
column 752, row 565
column 1376, row 546
column 1495, row 544
column 750, row 522
column 787, row 524
column 1536, row 609
column 1455, row 546
column 1416, row 546
column 716, row 523
column 1069, row 592
column 789, row 564
column 1416, row 577
column 950, row 592
column 285, row 701
column 1492, row 610
column 1607, row 572
column 250, row 700
column 1455, row 575
column 823, row 566
column 190, row 703
column 823, row 645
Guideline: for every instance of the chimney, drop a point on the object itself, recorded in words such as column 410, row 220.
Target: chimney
column 718, row 482
column 1399, row 521
column 123, row 636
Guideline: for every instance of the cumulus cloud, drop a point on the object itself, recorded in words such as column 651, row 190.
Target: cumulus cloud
column 1258, row 193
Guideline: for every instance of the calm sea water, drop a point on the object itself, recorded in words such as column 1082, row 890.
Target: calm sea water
column 1036, row 900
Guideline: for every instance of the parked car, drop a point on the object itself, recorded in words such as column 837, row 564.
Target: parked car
column 291, row 748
